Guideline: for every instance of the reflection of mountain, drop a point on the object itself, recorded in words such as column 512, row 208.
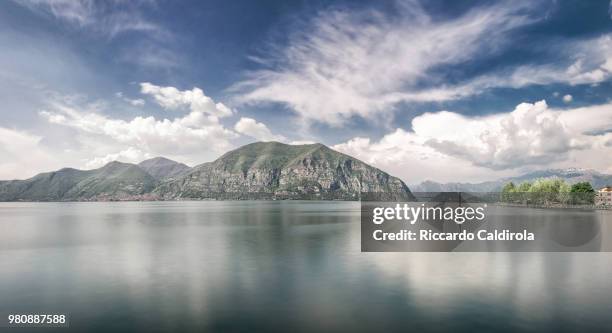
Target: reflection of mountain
column 572, row 176
column 261, row 170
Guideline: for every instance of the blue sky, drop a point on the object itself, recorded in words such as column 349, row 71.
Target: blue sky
column 442, row 90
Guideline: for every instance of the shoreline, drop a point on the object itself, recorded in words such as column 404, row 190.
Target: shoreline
column 555, row 206
column 501, row 204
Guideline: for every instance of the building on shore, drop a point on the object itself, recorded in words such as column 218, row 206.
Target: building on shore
column 604, row 196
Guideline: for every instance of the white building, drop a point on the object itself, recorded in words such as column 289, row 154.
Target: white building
column 604, row 196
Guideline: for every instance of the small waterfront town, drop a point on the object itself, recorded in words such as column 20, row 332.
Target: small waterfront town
column 604, row 196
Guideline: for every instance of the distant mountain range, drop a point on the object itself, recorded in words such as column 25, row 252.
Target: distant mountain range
column 572, row 175
column 263, row 170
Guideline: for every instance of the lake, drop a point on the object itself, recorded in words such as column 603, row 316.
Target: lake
column 288, row 266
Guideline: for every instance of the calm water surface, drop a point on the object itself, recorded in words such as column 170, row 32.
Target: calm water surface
column 275, row 266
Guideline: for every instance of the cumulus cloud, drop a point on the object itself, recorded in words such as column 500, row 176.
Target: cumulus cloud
column 193, row 134
column 173, row 99
column 405, row 154
column 22, row 155
column 531, row 134
column 129, row 155
column 455, row 147
column 360, row 63
column 250, row 127
column 568, row 98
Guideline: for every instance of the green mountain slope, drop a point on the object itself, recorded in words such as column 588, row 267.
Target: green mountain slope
column 268, row 170
column 114, row 181
column 260, row 170
column 163, row 168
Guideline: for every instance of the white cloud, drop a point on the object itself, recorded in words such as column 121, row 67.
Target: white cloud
column 173, row 99
column 301, row 142
column 250, row 127
column 131, row 101
column 137, row 102
column 129, row 155
column 198, row 134
column 567, row 98
column 23, row 156
column 531, row 134
column 153, row 49
column 96, row 15
column 587, row 62
column 75, row 11
column 448, row 146
column 405, row 155
column 362, row 63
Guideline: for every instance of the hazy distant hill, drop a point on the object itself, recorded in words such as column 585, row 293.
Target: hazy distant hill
column 261, row 170
column 431, row 186
column 276, row 170
column 572, row 175
column 115, row 180
column 162, row 168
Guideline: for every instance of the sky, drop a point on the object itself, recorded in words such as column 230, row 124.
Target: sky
column 425, row 90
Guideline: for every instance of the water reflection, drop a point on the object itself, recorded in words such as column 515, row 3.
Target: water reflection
column 277, row 266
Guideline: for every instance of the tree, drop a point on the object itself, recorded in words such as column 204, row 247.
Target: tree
column 509, row 188
column 547, row 191
column 524, row 187
column 508, row 192
column 583, row 193
column 544, row 191
column 582, row 187
column 564, row 193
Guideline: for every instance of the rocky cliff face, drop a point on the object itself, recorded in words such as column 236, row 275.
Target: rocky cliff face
column 277, row 171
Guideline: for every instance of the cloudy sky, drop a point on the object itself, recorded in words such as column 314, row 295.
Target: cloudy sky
column 437, row 90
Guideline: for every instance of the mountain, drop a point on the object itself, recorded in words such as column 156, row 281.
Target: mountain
column 162, row 168
column 431, row 186
column 269, row 170
column 571, row 175
column 115, row 180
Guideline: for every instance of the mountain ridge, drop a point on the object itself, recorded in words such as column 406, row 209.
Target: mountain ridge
column 276, row 170
column 261, row 170
column 163, row 168
column 570, row 175
column 113, row 180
